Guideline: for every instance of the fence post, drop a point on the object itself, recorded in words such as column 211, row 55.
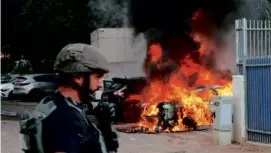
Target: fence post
column 237, row 41
column 244, row 30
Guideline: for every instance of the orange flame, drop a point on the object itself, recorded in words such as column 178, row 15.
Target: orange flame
column 194, row 104
column 155, row 52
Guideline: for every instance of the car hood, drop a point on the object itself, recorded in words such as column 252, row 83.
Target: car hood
column 6, row 85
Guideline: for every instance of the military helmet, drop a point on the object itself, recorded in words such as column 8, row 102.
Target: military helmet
column 80, row 58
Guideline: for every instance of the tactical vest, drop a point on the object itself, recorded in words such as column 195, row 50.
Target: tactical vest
column 31, row 127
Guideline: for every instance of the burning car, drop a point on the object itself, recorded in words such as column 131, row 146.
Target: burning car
column 176, row 96
column 184, row 59
column 171, row 116
column 211, row 102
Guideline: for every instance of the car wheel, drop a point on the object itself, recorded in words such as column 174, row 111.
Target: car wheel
column 35, row 95
column 10, row 95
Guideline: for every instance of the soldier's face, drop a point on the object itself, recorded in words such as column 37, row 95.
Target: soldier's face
column 96, row 81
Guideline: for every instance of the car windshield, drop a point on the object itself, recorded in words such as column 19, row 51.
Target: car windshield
column 12, row 80
column 5, row 76
column 5, row 79
column 8, row 81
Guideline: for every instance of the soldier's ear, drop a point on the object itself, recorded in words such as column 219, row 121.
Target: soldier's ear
column 78, row 79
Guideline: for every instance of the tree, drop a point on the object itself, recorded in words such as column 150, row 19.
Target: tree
column 265, row 9
column 256, row 10
column 22, row 66
column 10, row 13
column 44, row 27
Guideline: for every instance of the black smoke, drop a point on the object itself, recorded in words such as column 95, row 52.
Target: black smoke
column 169, row 22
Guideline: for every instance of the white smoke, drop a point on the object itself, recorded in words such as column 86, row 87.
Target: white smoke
column 109, row 14
column 225, row 56
column 251, row 10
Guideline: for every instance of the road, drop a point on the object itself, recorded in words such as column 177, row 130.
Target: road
column 189, row 142
column 18, row 107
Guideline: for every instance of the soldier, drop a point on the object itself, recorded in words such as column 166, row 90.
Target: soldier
column 66, row 128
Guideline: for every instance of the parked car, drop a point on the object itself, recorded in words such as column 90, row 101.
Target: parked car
column 5, row 78
column 7, row 89
column 34, row 86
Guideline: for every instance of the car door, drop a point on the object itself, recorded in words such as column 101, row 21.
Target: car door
column 45, row 83
column 50, row 83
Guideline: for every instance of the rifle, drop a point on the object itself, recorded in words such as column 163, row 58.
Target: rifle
column 101, row 117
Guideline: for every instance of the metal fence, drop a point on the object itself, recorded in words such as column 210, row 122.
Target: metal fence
column 253, row 57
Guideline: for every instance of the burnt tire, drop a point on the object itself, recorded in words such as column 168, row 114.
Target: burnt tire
column 10, row 95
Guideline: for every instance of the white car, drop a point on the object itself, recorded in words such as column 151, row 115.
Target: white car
column 34, row 86
column 7, row 89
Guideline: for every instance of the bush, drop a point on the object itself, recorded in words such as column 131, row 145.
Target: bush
column 22, row 66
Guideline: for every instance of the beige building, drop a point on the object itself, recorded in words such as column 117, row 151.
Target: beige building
column 125, row 53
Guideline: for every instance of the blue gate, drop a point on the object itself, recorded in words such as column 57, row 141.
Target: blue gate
column 253, row 57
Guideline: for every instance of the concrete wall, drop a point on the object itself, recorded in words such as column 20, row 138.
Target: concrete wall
column 239, row 130
column 126, row 70
column 125, row 53
column 118, row 44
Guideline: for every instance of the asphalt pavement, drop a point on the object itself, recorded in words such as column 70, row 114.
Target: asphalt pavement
column 17, row 107
column 186, row 142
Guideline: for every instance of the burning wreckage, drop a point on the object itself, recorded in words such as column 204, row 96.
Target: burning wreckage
column 170, row 115
column 177, row 101
column 184, row 62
